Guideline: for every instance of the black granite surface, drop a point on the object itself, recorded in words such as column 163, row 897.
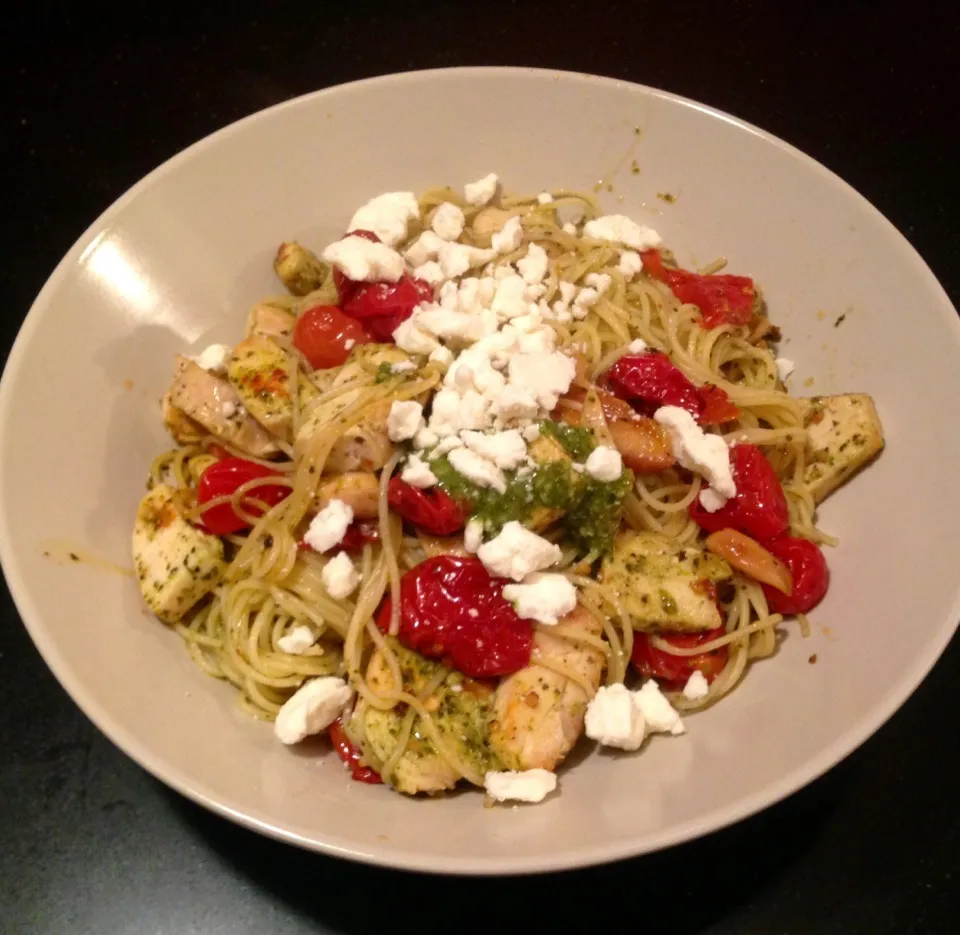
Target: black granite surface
column 95, row 95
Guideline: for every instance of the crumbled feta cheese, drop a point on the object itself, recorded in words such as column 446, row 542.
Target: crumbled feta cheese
column 630, row 263
column 431, row 272
column 546, row 376
column 516, row 402
column 697, row 686
column 529, row 785
column 659, row 714
column 510, row 300
column 387, row 216
column 531, row 433
column 425, row 438
column 416, row 472
column 425, row 248
column 637, row 346
column 533, row 267
column 785, row 368
column 542, row 597
column 229, row 409
column 618, row 228
column 586, row 298
column 698, row 451
column 614, row 718
column 473, row 535
column 363, row 260
column 446, row 445
column 570, row 229
column 509, row 237
column 506, row 450
column 408, row 337
column 544, row 198
column 447, row 221
column 516, row 552
column 480, row 192
column 213, row 358
column 297, row 641
column 442, row 356
column 604, row 464
column 477, row 469
column 329, row 526
column 568, row 291
column 444, row 323
column 340, row 577
column 312, row 708
column 404, row 419
column 600, row 281
column 457, row 258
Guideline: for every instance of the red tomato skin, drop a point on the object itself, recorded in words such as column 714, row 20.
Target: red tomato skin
column 351, row 755
column 811, row 576
column 221, row 479
column 674, row 671
column 436, row 598
column 383, row 306
column 322, row 333
column 650, row 380
column 717, row 407
column 358, row 534
column 433, row 510
column 722, row 299
column 759, row 509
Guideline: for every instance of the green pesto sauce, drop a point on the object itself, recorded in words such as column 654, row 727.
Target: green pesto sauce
column 553, row 485
column 593, row 521
column 384, row 372
column 576, row 440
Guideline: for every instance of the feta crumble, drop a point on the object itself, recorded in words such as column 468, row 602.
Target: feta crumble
column 618, row 228
column 416, row 472
column 329, row 526
column 312, row 708
column 480, row 192
column 542, row 597
column 447, row 221
column 297, row 641
column 614, row 718
column 604, row 464
column 387, row 216
column 362, row 260
column 516, row 552
column 529, row 785
column 213, row 359
column 404, row 419
column 697, row 687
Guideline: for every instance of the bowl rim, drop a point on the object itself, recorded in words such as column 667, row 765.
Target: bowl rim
column 385, row 856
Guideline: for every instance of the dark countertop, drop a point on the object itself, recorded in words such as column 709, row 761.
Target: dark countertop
column 97, row 97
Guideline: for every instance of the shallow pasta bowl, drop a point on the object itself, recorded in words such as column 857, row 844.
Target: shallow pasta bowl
column 178, row 260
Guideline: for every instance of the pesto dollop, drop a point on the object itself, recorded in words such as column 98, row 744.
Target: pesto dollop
column 576, row 440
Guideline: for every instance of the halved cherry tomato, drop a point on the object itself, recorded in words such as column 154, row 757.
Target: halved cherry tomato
column 451, row 608
column 674, row 671
column 717, row 407
column 351, row 755
column 759, row 509
column 432, row 510
column 221, row 479
column 650, row 380
column 811, row 577
column 324, row 335
column 722, row 299
column 382, row 306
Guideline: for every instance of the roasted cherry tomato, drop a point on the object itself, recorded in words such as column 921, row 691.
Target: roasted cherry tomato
column 759, row 509
column 451, row 608
column 221, row 479
column 358, row 534
column 351, row 755
column 811, row 577
column 650, row 380
column 717, row 407
column 674, row 671
column 432, row 510
column 382, row 306
column 324, row 335
column 722, row 300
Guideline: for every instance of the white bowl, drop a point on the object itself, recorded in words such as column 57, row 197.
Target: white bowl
column 179, row 259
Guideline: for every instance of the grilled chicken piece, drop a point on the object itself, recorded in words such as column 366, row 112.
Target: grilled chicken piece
column 271, row 321
column 545, row 450
column 538, row 713
column 663, row 586
column 263, row 374
column 359, row 490
column 212, row 402
column 176, row 563
column 185, row 431
column 844, row 435
column 459, row 707
column 298, row 268
column 365, row 446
